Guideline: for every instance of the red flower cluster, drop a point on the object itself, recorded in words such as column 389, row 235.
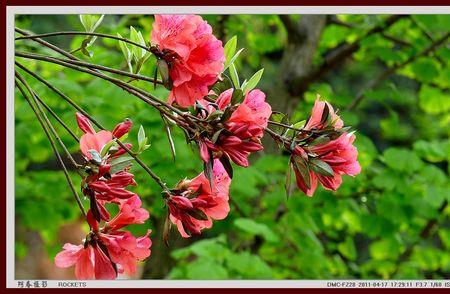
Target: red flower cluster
column 109, row 250
column 331, row 155
column 242, row 130
column 194, row 55
column 193, row 204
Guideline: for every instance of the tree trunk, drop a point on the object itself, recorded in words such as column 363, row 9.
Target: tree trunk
column 296, row 64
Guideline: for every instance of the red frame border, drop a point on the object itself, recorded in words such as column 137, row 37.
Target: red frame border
column 180, row 3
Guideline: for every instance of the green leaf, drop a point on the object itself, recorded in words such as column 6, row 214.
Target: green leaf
column 91, row 22
column 288, row 181
column 234, row 76
column 206, row 269
column 433, row 100
column 237, row 97
column 402, row 160
column 386, row 248
column 348, row 248
column 138, row 52
column 434, row 151
column 163, row 69
column 321, row 167
column 253, row 82
column 254, row 228
column 124, row 48
column 118, row 164
column 232, row 60
column 229, row 49
column 96, row 157
column 106, row 148
column 249, row 266
column 141, row 134
column 425, row 69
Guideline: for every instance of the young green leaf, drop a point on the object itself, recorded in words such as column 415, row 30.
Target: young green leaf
column 118, row 164
column 229, row 50
column 96, row 157
column 234, row 76
column 169, row 137
column 137, row 52
column 91, row 22
column 106, row 148
column 253, row 82
column 141, row 135
column 126, row 52
column 228, row 64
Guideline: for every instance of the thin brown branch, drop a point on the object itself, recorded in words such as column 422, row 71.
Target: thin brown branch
column 73, row 104
column 111, row 70
column 60, row 121
column 47, row 121
column 52, row 143
column 141, row 94
column 76, row 33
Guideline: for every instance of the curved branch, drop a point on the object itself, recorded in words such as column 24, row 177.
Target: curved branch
column 76, row 33
column 66, row 173
column 341, row 52
column 73, row 104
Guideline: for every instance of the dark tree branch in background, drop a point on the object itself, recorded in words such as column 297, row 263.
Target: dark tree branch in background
column 375, row 82
column 303, row 39
column 427, row 35
column 291, row 26
column 333, row 19
column 341, row 52
column 396, row 40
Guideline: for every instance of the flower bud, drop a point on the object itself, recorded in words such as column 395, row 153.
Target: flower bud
column 122, row 128
column 84, row 124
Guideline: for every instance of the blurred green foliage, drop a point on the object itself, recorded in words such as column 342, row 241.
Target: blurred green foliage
column 373, row 227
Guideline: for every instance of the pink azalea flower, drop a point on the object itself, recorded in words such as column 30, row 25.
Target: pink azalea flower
column 90, row 262
column 126, row 250
column 130, row 212
column 245, row 128
column 92, row 140
column 194, row 55
column 250, row 118
column 340, row 154
column 314, row 121
column 199, row 203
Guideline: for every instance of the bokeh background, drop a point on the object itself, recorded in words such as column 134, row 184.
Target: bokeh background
column 391, row 221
